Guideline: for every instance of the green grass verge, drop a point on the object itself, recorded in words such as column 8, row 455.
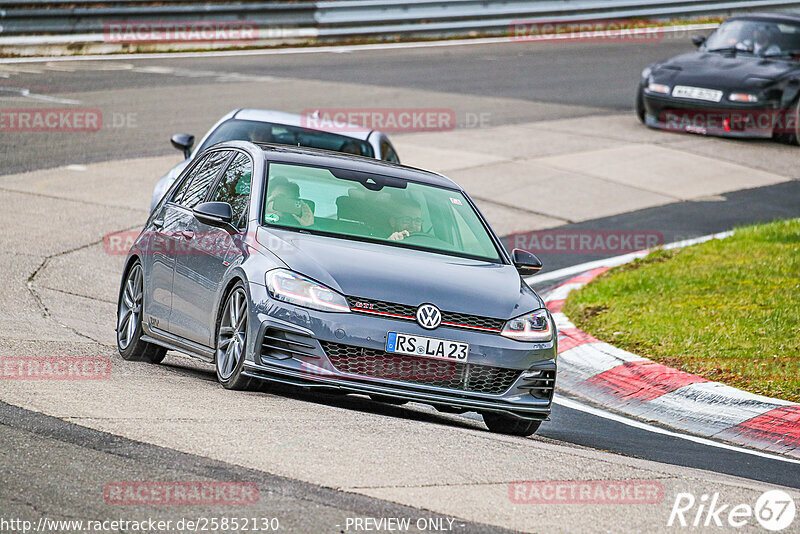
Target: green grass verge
column 727, row 310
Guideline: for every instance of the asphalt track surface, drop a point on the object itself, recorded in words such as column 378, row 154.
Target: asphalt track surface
column 597, row 77
column 558, row 80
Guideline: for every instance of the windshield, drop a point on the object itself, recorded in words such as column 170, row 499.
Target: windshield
column 281, row 134
column 761, row 38
column 369, row 207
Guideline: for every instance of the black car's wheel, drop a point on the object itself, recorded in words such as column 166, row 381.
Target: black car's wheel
column 789, row 128
column 506, row 424
column 639, row 108
column 232, row 339
column 129, row 321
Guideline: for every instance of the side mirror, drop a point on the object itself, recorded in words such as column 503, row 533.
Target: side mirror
column 184, row 143
column 698, row 40
column 527, row 263
column 214, row 213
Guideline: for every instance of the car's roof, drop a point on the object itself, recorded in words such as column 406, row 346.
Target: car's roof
column 301, row 121
column 788, row 16
column 326, row 158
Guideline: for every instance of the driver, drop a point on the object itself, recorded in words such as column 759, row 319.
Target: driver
column 760, row 42
column 762, row 37
column 406, row 220
column 285, row 202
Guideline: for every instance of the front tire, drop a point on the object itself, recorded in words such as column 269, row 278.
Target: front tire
column 792, row 116
column 129, row 321
column 232, row 339
column 639, row 108
column 506, row 424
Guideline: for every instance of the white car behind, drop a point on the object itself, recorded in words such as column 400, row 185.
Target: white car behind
column 276, row 127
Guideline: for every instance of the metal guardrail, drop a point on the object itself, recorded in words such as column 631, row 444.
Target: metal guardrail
column 51, row 18
column 341, row 19
column 420, row 17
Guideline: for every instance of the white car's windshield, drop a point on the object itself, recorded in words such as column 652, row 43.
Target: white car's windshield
column 281, row 134
column 758, row 37
column 375, row 208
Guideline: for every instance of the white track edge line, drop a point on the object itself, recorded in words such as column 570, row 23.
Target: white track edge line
column 569, row 403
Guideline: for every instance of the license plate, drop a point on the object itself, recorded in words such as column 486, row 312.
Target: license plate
column 427, row 347
column 697, row 93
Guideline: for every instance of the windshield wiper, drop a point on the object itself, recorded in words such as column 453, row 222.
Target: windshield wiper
column 787, row 53
column 734, row 49
column 725, row 49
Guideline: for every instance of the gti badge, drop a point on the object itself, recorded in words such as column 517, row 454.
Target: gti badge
column 429, row 316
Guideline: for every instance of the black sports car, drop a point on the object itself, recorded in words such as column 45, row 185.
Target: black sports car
column 743, row 81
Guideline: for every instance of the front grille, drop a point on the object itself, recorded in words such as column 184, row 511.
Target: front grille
column 432, row 372
column 472, row 321
column 542, row 385
column 409, row 313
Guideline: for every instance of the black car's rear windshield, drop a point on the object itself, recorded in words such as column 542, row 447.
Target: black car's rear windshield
column 281, row 134
column 368, row 207
column 758, row 37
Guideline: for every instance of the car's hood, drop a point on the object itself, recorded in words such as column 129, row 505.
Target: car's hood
column 404, row 276
column 721, row 71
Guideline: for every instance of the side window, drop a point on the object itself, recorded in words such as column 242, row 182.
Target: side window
column 204, row 178
column 181, row 190
column 234, row 187
column 388, row 153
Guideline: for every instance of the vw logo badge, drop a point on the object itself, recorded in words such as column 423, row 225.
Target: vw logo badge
column 429, row 316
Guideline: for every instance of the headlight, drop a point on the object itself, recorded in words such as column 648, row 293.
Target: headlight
column 743, row 97
column 294, row 288
column 646, row 73
column 534, row 326
column 654, row 87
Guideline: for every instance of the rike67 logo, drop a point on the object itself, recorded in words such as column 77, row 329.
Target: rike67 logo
column 774, row 510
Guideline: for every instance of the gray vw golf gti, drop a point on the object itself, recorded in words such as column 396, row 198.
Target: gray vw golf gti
column 341, row 272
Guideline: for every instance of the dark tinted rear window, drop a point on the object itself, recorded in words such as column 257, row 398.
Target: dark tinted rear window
column 265, row 132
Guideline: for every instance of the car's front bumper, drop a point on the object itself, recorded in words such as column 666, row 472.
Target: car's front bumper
column 724, row 119
column 295, row 346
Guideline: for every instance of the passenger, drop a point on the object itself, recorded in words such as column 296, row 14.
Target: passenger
column 284, row 201
column 258, row 133
column 406, row 220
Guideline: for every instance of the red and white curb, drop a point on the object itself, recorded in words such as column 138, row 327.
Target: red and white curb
column 651, row 391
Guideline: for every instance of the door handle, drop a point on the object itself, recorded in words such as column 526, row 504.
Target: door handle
column 158, row 223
